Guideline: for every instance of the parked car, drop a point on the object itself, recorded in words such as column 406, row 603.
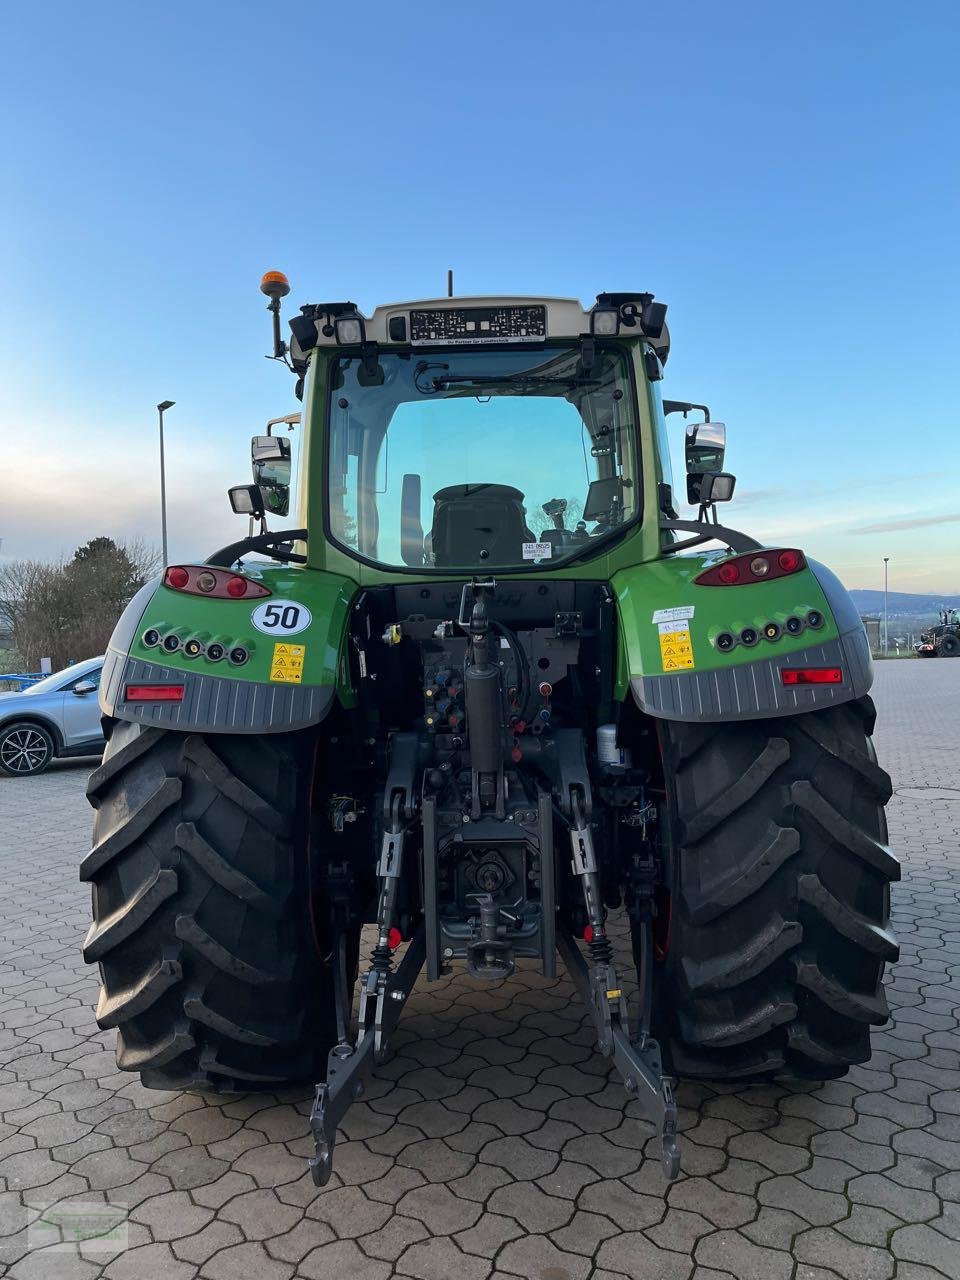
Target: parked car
column 58, row 716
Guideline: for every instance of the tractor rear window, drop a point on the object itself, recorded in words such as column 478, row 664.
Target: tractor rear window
column 478, row 459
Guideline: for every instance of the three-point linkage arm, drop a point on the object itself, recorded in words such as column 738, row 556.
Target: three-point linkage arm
column 638, row 1060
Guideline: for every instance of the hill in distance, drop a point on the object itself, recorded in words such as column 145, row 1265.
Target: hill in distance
column 904, row 602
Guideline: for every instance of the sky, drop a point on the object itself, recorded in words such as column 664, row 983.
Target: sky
column 784, row 176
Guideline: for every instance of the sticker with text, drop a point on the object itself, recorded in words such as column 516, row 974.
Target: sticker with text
column 676, row 614
column 286, row 666
column 676, row 648
column 537, row 550
column 281, row 617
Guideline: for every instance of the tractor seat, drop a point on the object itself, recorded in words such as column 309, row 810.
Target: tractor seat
column 476, row 524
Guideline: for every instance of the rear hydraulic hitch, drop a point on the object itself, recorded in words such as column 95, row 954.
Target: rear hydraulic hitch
column 636, row 1058
column 349, row 1066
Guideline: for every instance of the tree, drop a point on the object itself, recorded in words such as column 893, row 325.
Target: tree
column 66, row 610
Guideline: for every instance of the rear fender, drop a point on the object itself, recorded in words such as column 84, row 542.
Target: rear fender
column 669, row 626
column 288, row 681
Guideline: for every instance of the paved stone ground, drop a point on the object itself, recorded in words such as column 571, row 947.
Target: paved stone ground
column 495, row 1144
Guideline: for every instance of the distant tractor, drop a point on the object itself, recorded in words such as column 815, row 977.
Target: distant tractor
column 941, row 640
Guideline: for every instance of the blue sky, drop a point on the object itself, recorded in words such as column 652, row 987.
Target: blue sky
column 784, row 176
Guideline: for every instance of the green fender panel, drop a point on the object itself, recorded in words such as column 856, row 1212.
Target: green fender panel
column 288, row 680
column 669, row 627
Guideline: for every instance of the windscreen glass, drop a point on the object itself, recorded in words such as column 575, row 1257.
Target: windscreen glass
column 478, row 459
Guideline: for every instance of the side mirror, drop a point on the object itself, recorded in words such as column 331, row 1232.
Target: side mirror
column 246, row 500
column 269, row 448
column 706, row 443
column 83, row 687
column 270, row 458
column 710, row 486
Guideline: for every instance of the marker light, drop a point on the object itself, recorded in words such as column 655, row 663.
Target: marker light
column 154, row 692
column 752, row 568
column 811, row 675
column 218, row 584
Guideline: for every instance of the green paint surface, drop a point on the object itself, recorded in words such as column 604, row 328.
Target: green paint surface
column 326, row 595
column 665, row 584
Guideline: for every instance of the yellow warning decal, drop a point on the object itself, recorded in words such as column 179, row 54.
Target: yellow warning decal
column 287, row 664
column 676, row 647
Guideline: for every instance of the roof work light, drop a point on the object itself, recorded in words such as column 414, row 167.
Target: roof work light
column 349, row 330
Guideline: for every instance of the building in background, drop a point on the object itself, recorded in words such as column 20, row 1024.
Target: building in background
column 874, row 629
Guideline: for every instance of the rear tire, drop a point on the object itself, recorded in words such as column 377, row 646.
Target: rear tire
column 948, row 646
column 780, row 876
column 201, row 909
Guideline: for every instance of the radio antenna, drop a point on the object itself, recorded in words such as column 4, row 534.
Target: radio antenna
column 450, row 283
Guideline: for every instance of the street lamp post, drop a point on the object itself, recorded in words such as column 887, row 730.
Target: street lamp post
column 161, row 409
column 886, row 636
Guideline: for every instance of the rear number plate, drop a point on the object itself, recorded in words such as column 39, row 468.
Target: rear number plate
column 469, row 326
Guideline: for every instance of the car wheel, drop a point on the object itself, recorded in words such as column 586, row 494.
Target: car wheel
column 25, row 749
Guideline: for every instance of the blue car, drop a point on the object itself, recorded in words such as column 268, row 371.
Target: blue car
column 58, row 716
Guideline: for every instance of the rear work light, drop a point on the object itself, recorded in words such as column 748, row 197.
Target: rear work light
column 811, row 675
column 154, row 692
column 218, row 584
column 753, row 567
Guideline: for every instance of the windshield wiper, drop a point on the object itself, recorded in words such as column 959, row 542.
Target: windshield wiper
column 510, row 380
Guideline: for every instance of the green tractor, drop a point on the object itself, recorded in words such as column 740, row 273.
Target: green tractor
column 483, row 689
column 942, row 640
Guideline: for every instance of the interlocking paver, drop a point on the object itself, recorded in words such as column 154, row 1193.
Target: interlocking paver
column 495, row 1144
column 925, row 1245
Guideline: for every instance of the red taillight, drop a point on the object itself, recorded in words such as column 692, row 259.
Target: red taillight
column 154, row 692
column 752, row 568
column 216, row 584
column 811, row 675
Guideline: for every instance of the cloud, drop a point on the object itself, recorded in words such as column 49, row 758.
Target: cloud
column 912, row 522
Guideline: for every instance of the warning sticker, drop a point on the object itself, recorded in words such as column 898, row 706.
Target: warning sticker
column 286, row 667
column 676, row 614
column 676, row 648
column 537, row 550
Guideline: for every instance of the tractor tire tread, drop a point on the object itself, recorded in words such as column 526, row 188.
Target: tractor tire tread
column 779, row 929
column 208, row 965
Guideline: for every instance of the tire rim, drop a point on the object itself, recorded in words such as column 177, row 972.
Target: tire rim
column 24, row 751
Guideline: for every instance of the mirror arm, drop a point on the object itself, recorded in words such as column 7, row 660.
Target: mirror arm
column 706, row 533
column 684, row 407
column 230, row 554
